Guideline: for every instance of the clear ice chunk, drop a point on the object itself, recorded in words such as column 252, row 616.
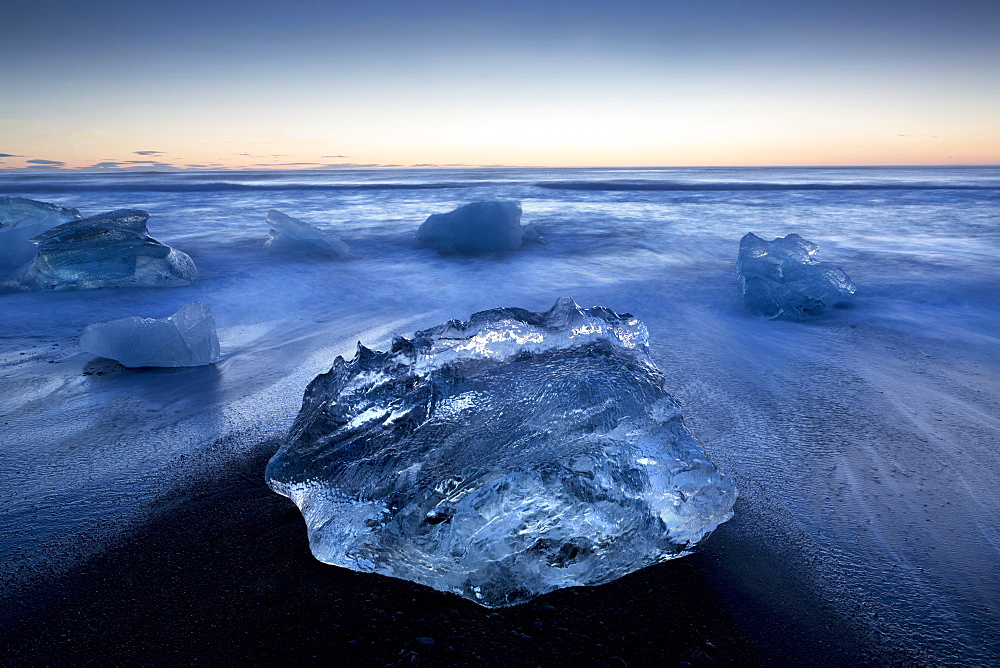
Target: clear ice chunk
column 501, row 458
column 781, row 279
column 479, row 227
column 294, row 236
column 187, row 338
column 110, row 250
column 20, row 220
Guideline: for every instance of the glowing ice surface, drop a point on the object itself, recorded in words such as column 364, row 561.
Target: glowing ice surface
column 109, row 250
column 501, row 458
column 16, row 209
column 781, row 279
column 291, row 235
column 480, row 227
column 187, row 338
column 20, row 220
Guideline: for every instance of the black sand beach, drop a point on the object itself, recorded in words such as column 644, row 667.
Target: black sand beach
column 222, row 575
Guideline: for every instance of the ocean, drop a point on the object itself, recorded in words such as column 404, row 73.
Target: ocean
column 864, row 443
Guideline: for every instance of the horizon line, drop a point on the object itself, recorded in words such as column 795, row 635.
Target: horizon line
column 36, row 170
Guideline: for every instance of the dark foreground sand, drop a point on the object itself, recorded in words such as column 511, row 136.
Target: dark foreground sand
column 223, row 575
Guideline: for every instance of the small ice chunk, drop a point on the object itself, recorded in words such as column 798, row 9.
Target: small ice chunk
column 532, row 233
column 781, row 279
column 109, row 250
column 480, row 227
column 16, row 209
column 501, row 457
column 187, row 338
column 20, row 220
column 15, row 248
column 291, row 235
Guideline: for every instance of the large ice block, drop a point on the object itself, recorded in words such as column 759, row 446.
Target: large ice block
column 20, row 220
column 501, row 458
column 480, row 227
column 781, row 279
column 294, row 236
column 187, row 338
column 110, row 250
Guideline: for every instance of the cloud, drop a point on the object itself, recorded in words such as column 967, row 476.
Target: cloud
column 275, row 156
column 53, row 163
column 148, row 152
column 9, row 155
column 320, row 165
column 131, row 164
column 286, row 164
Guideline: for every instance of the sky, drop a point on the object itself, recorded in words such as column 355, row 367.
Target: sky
column 116, row 84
